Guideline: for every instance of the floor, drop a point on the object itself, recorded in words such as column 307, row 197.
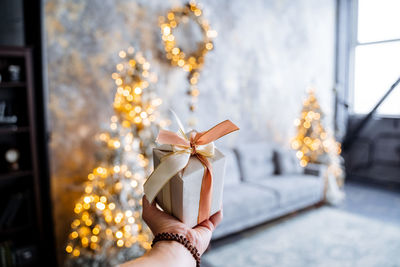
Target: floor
column 382, row 203
column 372, row 201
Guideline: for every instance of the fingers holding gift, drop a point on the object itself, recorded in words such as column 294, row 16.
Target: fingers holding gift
column 154, row 217
column 159, row 221
column 216, row 218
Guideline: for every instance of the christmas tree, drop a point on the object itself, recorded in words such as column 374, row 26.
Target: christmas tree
column 315, row 145
column 108, row 228
column 310, row 132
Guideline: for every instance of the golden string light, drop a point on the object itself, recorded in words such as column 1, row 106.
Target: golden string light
column 135, row 102
column 189, row 62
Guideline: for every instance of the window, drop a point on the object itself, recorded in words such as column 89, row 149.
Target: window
column 375, row 47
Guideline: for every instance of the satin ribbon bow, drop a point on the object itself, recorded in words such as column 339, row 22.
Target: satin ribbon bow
column 199, row 144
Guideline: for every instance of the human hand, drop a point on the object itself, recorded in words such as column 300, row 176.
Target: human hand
column 160, row 222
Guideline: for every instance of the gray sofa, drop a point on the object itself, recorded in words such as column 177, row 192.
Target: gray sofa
column 263, row 182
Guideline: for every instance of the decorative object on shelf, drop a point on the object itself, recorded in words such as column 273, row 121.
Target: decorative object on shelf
column 26, row 255
column 189, row 61
column 6, row 254
column 3, row 67
column 315, row 145
column 6, row 119
column 11, row 256
column 12, row 157
column 108, row 228
column 2, row 109
column 14, row 72
column 7, row 218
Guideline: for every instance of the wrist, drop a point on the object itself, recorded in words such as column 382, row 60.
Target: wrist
column 173, row 252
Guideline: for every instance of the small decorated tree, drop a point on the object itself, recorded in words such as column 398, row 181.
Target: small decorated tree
column 311, row 135
column 315, row 145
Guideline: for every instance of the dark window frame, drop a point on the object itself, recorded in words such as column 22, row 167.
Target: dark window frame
column 347, row 41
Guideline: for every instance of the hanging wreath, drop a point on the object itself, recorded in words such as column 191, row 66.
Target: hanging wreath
column 190, row 62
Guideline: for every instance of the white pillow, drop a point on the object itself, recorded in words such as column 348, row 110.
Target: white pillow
column 232, row 172
column 288, row 163
column 256, row 161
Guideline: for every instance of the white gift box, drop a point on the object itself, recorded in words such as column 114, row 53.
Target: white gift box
column 180, row 196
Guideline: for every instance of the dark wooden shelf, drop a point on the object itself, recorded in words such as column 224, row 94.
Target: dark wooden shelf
column 14, row 129
column 12, row 231
column 20, row 178
column 12, row 84
column 14, row 175
column 27, row 99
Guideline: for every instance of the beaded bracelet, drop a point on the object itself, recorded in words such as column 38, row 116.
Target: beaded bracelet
column 181, row 239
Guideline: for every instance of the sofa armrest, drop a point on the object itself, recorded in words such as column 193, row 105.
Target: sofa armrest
column 317, row 170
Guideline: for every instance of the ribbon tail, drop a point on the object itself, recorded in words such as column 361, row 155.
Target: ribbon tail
column 215, row 132
column 169, row 166
column 206, row 190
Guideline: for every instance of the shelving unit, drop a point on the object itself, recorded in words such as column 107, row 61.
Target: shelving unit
column 21, row 226
column 12, row 85
column 13, row 129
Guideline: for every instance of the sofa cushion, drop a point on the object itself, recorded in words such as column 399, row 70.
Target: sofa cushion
column 243, row 201
column 292, row 188
column 232, row 172
column 256, row 161
column 287, row 163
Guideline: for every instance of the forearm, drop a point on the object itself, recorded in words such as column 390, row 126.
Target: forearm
column 165, row 254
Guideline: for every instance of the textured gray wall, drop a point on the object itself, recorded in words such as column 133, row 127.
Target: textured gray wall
column 266, row 54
